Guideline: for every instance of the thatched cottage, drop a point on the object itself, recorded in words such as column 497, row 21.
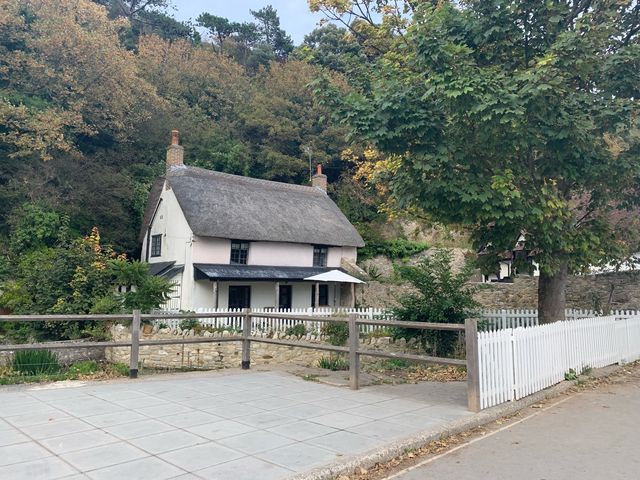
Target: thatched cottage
column 228, row 241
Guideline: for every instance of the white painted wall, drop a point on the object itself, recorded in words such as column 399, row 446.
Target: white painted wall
column 177, row 237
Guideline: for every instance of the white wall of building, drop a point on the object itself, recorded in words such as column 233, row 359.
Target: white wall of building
column 170, row 222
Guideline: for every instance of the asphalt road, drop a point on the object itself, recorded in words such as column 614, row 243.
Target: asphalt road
column 593, row 435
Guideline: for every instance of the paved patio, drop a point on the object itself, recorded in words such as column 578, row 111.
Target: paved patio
column 209, row 425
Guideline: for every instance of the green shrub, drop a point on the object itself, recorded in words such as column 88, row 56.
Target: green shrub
column 190, row 324
column 439, row 296
column 298, row 330
column 334, row 363
column 396, row 248
column 337, row 333
column 87, row 367
column 35, row 362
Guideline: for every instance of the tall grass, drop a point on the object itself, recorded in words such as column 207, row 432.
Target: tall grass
column 35, row 362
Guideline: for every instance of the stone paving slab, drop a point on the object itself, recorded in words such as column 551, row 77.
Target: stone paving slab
column 207, row 425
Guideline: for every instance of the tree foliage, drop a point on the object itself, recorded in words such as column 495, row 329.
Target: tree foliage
column 513, row 117
column 89, row 91
column 252, row 44
column 72, row 276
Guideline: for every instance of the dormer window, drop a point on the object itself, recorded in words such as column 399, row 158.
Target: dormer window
column 239, row 252
column 320, row 255
column 156, row 245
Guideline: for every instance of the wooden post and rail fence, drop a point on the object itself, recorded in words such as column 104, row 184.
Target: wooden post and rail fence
column 353, row 349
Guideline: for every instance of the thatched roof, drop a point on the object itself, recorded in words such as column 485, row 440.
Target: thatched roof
column 230, row 206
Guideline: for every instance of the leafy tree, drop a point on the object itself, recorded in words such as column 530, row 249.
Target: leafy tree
column 332, row 47
column 268, row 27
column 281, row 117
column 78, row 276
column 148, row 17
column 512, row 117
column 440, row 296
column 252, row 44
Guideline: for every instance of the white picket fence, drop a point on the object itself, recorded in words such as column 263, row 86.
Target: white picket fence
column 516, row 362
column 492, row 319
column 234, row 320
column 503, row 318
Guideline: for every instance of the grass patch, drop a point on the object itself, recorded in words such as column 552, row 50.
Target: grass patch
column 87, row 369
column 35, row 362
column 334, row 363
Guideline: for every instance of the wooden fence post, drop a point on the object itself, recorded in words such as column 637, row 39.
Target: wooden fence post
column 473, row 364
column 135, row 344
column 354, row 356
column 246, row 343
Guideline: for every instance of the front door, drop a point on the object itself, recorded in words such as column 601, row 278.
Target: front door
column 239, row 296
column 284, row 297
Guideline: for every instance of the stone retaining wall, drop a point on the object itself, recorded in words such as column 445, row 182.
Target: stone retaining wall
column 66, row 356
column 616, row 291
column 228, row 354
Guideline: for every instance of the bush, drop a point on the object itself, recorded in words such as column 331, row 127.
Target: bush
column 337, row 333
column 333, row 363
column 35, row 362
column 396, row 248
column 441, row 296
column 190, row 324
column 298, row 331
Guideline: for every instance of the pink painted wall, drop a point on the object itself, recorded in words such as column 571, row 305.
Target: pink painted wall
column 211, row 250
column 218, row 250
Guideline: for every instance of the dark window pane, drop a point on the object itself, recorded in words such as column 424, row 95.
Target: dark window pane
column 239, row 252
column 323, row 300
column 156, row 245
column 285, row 296
column 239, row 296
column 320, row 255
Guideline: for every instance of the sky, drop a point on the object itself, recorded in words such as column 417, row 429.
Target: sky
column 295, row 17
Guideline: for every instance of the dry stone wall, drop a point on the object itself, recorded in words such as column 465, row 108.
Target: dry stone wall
column 617, row 291
column 228, row 354
column 66, row 356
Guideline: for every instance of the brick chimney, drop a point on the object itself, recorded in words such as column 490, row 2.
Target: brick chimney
column 319, row 180
column 175, row 151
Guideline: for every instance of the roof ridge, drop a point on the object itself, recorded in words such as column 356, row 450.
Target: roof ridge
column 185, row 170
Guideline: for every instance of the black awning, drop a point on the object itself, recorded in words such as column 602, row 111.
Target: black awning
column 160, row 268
column 254, row 272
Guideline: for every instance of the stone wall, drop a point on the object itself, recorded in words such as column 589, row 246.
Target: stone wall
column 615, row 291
column 228, row 354
column 66, row 356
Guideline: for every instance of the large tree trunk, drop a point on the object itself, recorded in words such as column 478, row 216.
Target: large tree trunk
column 551, row 295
